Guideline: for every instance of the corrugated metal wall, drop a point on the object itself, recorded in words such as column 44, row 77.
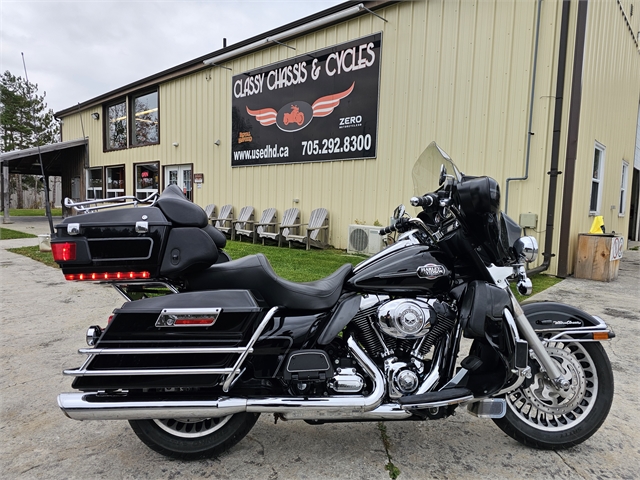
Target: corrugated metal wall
column 458, row 72
column 611, row 90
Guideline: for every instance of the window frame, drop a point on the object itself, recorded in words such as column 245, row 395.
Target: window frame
column 122, row 191
column 624, row 186
column 135, row 176
column 597, row 179
column 132, row 120
column 88, row 187
column 106, row 134
column 129, row 106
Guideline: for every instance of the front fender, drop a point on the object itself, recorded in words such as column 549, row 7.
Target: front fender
column 558, row 318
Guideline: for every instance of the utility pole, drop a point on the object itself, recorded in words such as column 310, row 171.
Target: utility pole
column 5, row 189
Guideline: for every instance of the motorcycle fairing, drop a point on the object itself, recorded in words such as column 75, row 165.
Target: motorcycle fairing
column 254, row 272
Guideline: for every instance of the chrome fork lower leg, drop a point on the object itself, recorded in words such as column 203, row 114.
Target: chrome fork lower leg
column 543, row 357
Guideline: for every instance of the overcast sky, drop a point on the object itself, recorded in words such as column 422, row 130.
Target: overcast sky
column 77, row 50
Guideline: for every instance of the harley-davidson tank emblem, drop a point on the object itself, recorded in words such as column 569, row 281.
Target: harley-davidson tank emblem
column 296, row 115
column 431, row 271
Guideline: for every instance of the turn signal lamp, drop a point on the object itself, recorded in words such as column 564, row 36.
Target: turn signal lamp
column 101, row 277
column 63, row 252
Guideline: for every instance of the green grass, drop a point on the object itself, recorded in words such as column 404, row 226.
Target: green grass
column 8, row 234
column 294, row 264
column 35, row 254
column 540, row 283
column 32, row 212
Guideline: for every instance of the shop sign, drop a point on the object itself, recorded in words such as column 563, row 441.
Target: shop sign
column 319, row 106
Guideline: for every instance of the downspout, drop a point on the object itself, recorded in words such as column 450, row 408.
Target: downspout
column 529, row 133
column 572, row 140
column 555, row 146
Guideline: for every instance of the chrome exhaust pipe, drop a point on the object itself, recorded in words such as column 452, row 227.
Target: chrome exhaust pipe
column 94, row 406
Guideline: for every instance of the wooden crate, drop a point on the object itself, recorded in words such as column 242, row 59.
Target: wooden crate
column 594, row 257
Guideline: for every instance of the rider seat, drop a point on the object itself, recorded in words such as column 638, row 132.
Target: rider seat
column 254, row 272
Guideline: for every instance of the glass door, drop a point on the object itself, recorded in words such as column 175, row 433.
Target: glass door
column 180, row 175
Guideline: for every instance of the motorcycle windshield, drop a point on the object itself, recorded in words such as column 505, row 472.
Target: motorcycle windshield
column 427, row 169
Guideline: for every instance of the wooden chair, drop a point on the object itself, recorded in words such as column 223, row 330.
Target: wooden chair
column 317, row 234
column 290, row 217
column 210, row 210
column 268, row 223
column 223, row 221
column 244, row 223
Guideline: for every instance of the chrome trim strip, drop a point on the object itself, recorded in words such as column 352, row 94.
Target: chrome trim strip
column 236, row 368
column 146, row 351
column 560, row 335
column 83, row 372
column 168, row 316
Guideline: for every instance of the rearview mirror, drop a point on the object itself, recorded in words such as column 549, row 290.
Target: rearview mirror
column 398, row 213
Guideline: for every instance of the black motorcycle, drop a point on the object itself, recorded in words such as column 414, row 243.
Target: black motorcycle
column 214, row 343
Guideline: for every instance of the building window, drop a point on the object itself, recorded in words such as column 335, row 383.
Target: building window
column 596, row 180
column 147, row 179
column 623, row 189
column 140, row 126
column 115, row 181
column 116, row 126
column 145, row 126
column 94, row 183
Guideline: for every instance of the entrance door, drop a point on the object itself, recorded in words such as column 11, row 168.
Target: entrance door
column 181, row 176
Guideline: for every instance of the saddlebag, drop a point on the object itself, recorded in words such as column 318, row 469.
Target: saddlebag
column 173, row 341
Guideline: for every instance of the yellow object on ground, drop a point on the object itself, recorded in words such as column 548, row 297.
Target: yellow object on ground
column 598, row 225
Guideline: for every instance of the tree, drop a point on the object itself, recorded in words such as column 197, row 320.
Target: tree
column 25, row 121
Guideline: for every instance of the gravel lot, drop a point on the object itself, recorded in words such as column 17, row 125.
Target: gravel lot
column 42, row 324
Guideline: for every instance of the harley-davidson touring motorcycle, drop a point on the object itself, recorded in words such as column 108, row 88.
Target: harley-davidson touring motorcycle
column 205, row 344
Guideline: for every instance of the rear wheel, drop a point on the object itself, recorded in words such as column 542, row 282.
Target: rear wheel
column 194, row 438
column 539, row 416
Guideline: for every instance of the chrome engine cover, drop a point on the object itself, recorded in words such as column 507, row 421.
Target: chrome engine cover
column 406, row 318
column 347, row 380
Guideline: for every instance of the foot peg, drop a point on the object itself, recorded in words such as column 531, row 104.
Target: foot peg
column 442, row 398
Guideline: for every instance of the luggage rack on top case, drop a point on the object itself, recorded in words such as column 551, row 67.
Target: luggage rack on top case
column 104, row 203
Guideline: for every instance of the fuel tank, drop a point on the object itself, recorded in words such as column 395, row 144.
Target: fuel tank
column 414, row 269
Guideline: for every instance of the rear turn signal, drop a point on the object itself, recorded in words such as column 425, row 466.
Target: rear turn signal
column 63, row 252
column 101, row 277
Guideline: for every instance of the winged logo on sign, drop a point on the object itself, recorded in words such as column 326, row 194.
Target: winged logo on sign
column 296, row 115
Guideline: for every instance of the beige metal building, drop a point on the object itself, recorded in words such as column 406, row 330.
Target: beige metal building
column 543, row 95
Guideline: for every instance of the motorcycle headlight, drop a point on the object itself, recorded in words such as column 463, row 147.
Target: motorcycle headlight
column 527, row 248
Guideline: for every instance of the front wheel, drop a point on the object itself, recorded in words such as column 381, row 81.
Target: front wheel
column 541, row 417
column 191, row 439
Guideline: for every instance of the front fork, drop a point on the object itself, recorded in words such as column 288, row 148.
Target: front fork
column 500, row 275
column 528, row 333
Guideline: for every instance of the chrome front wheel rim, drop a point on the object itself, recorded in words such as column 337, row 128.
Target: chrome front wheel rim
column 542, row 407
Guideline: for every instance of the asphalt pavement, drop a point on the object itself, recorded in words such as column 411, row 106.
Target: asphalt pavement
column 43, row 320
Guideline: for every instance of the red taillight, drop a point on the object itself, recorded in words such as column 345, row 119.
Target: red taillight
column 194, row 321
column 96, row 277
column 63, row 252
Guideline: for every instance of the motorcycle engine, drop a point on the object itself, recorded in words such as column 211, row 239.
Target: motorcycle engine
column 401, row 333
